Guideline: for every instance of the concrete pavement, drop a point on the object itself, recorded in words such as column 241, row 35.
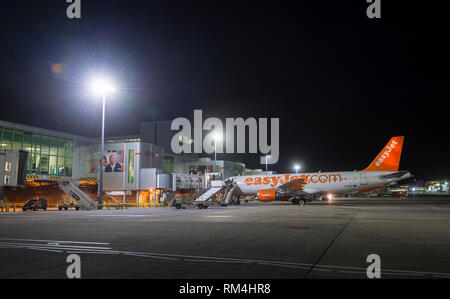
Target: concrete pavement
column 260, row 240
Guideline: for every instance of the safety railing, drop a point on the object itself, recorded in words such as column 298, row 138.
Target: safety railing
column 119, row 206
column 12, row 207
column 7, row 207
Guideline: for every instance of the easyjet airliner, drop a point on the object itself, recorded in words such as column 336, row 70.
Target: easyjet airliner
column 298, row 188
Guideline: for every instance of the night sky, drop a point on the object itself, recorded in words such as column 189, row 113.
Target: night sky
column 341, row 84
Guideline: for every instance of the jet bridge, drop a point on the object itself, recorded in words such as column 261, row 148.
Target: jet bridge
column 78, row 195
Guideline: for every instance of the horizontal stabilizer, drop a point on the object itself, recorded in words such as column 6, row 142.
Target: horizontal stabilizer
column 394, row 175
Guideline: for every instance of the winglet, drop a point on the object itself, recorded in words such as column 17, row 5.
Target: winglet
column 389, row 157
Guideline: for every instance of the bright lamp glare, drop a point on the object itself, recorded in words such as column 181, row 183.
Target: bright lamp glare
column 297, row 167
column 101, row 86
column 217, row 136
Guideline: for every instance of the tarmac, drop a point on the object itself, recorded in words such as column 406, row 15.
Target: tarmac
column 255, row 240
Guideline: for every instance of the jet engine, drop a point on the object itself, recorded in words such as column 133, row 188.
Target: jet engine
column 271, row 195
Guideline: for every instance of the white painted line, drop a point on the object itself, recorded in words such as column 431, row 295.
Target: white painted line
column 54, row 241
column 101, row 215
column 401, row 273
column 352, row 272
column 193, row 258
column 321, row 270
column 213, row 261
column 150, row 256
column 386, row 271
column 55, row 246
column 48, row 250
column 94, row 252
column 283, row 265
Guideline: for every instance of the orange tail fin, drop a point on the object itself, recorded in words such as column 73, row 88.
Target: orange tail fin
column 389, row 157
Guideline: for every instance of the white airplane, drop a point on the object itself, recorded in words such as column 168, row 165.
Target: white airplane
column 302, row 187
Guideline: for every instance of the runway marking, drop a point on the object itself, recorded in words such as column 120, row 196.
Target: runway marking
column 213, row 261
column 54, row 245
column 206, row 259
column 148, row 255
column 332, row 242
column 100, row 215
column 94, row 252
column 287, row 266
column 436, row 208
column 352, row 272
column 402, row 273
column 57, row 247
column 48, row 250
column 54, row 241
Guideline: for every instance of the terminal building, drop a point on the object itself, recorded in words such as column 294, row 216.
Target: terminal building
column 136, row 168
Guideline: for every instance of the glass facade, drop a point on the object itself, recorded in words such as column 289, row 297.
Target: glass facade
column 46, row 154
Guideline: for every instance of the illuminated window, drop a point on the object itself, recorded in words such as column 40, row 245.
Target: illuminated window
column 61, row 147
column 45, row 145
column 53, row 146
column 46, row 154
column 17, row 142
column 7, row 139
column 44, row 164
column 8, row 166
column 37, row 143
column 52, row 165
column 35, row 159
column 27, row 141
column 6, row 180
column 61, row 167
column 69, row 148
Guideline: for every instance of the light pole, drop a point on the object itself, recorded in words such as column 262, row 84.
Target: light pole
column 102, row 87
column 297, row 167
column 216, row 137
column 266, row 161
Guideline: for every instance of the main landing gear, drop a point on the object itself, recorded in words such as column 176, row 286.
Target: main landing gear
column 300, row 201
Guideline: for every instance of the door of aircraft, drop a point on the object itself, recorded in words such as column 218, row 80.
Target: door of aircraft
column 363, row 178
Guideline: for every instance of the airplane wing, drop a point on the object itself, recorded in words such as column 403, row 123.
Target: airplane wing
column 293, row 186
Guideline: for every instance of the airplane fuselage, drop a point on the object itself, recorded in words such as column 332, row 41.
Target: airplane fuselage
column 339, row 182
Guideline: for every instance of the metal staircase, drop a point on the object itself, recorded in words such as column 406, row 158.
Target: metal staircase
column 217, row 186
column 209, row 194
column 110, row 197
column 78, row 195
column 229, row 194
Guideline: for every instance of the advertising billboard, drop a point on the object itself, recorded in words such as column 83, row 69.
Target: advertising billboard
column 113, row 161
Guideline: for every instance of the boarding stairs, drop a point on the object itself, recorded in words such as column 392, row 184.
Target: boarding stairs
column 78, row 195
column 209, row 194
column 229, row 192
column 216, row 187
column 110, row 197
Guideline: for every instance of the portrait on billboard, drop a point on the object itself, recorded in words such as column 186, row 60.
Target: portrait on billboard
column 112, row 161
